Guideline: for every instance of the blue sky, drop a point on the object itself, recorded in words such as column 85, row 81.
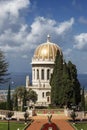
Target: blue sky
column 24, row 24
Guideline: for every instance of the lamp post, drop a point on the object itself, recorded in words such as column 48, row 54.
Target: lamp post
column 8, row 119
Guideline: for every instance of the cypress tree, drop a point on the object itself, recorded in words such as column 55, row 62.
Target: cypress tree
column 66, row 89
column 56, row 80
column 75, row 83
column 9, row 101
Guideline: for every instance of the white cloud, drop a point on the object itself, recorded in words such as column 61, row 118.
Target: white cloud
column 27, row 37
column 10, row 9
column 81, row 41
column 65, row 26
column 83, row 20
column 41, row 24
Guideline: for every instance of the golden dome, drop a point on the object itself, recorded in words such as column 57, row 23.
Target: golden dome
column 47, row 50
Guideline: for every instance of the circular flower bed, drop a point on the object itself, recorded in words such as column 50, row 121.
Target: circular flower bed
column 49, row 126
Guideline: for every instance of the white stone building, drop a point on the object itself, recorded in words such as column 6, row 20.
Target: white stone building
column 42, row 68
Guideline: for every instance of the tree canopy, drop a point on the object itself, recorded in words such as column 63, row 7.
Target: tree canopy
column 24, row 96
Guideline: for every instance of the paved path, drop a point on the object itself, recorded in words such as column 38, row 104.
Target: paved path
column 61, row 122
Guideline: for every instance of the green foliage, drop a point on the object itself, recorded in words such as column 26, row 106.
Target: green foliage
column 31, row 96
column 9, row 105
column 3, row 68
column 75, row 82
column 24, row 100
column 82, row 100
column 56, row 80
column 26, row 115
column 20, row 91
column 85, row 103
column 73, row 115
column 25, row 96
column 18, row 94
column 9, row 114
column 65, row 87
column 3, row 105
column 15, row 102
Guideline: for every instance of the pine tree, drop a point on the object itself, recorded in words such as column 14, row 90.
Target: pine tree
column 56, row 80
column 3, row 68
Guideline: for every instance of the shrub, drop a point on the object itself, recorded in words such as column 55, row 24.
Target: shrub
column 73, row 115
column 26, row 115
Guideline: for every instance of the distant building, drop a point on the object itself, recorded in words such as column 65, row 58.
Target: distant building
column 42, row 68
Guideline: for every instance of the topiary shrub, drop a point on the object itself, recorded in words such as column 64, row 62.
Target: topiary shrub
column 73, row 115
column 26, row 115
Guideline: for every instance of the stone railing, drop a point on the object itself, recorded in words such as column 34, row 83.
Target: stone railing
column 17, row 114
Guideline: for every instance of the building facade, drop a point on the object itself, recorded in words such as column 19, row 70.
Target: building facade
column 42, row 68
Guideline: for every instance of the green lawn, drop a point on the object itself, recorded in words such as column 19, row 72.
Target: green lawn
column 80, row 126
column 13, row 125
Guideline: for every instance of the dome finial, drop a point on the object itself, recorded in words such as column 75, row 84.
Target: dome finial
column 48, row 38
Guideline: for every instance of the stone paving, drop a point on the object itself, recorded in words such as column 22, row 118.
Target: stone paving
column 60, row 120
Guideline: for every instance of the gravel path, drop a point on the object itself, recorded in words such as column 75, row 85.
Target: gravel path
column 61, row 122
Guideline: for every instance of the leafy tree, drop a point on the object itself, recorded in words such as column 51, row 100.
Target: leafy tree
column 20, row 91
column 3, row 68
column 56, row 80
column 32, row 96
column 18, row 94
column 25, row 96
column 9, row 105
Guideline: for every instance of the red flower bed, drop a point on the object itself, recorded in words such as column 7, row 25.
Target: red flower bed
column 49, row 126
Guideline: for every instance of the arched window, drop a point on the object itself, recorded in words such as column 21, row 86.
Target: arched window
column 37, row 74
column 48, row 99
column 43, row 94
column 42, row 74
column 48, row 74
